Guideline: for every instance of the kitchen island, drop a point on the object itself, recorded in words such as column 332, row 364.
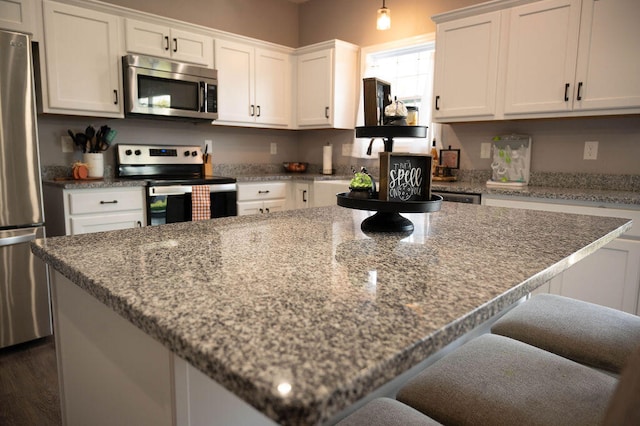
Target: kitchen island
column 289, row 318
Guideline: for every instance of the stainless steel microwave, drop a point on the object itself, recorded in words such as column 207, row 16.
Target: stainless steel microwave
column 155, row 87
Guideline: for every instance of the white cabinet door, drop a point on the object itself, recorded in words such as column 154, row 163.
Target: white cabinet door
column 18, row 15
column 302, row 195
column 186, row 46
column 608, row 71
column 467, row 66
column 235, row 65
column 147, row 38
column 543, row 44
column 609, row 277
column 315, row 81
column 272, row 87
column 162, row 41
column 255, row 84
column 82, row 61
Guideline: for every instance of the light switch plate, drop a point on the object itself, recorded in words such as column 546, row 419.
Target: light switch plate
column 591, row 150
column 67, row 143
column 485, row 150
column 274, row 148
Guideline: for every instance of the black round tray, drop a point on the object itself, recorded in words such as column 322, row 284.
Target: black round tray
column 387, row 218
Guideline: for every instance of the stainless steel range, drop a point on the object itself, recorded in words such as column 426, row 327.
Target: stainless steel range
column 171, row 171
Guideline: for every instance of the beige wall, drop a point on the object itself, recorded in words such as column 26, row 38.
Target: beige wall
column 354, row 20
column 270, row 20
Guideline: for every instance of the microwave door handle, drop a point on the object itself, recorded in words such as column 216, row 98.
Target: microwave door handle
column 203, row 96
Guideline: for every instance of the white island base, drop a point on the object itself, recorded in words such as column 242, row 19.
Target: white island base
column 110, row 372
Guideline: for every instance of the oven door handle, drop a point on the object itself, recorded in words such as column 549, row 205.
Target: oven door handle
column 186, row 189
column 155, row 191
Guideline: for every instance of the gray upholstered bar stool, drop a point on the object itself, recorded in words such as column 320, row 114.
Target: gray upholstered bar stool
column 584, row 332
column 495, row 380
column 387, row 412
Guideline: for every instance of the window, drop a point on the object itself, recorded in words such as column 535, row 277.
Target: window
column 408, row 66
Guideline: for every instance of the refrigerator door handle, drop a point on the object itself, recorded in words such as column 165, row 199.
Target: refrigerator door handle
column 18, row 239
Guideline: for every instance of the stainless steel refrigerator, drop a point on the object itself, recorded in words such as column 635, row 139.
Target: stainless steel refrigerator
column 24, row 291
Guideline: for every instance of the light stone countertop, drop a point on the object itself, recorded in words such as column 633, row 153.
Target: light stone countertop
column 304, row 297
column 627, row 199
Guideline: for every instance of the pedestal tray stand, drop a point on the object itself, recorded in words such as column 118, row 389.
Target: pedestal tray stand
column 387, row 217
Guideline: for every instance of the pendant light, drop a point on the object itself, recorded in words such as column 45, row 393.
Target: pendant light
column 384, row 18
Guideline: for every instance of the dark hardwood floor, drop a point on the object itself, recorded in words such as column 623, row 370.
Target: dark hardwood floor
column 29, row 393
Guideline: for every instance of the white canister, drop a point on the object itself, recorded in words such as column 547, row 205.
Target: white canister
column 95, row 163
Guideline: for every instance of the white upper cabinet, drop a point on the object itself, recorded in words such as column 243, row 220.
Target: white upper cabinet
column 82, row 65
column 163, row 41
column 467, row 67
column 327, row 85
column 18, row 15
column 555, row 58
column 543, row 44
column 254, row 85
column 608, row 71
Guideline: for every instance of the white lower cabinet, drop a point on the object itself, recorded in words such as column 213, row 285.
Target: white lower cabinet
column 81, row 211
column 301, row 195
column 261, row 197
column 608, row 277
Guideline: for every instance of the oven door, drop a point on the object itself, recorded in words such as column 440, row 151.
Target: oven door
column 171, row 204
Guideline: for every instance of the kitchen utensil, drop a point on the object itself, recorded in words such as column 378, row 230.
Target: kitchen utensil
column 81, row 140
column 295, row 167
column 73, row 137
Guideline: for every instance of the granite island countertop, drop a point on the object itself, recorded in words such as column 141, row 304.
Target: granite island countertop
column 304, row 297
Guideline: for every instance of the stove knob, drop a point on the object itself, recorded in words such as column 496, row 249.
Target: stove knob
column 128, row 152
column 194, row 153
column 186, row 153
column 138, row 152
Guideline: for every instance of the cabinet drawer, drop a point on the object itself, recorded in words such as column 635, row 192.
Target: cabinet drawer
column 262, row 191
column 109, row 222
column 101, row 201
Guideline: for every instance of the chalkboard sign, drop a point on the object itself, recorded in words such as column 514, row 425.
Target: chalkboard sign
column 405, row 177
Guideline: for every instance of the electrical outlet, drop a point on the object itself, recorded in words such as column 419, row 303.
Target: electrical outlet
column 485, row 150
column 274, row 148
column 67, row 143
column 591, row 150
column 346, row 149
